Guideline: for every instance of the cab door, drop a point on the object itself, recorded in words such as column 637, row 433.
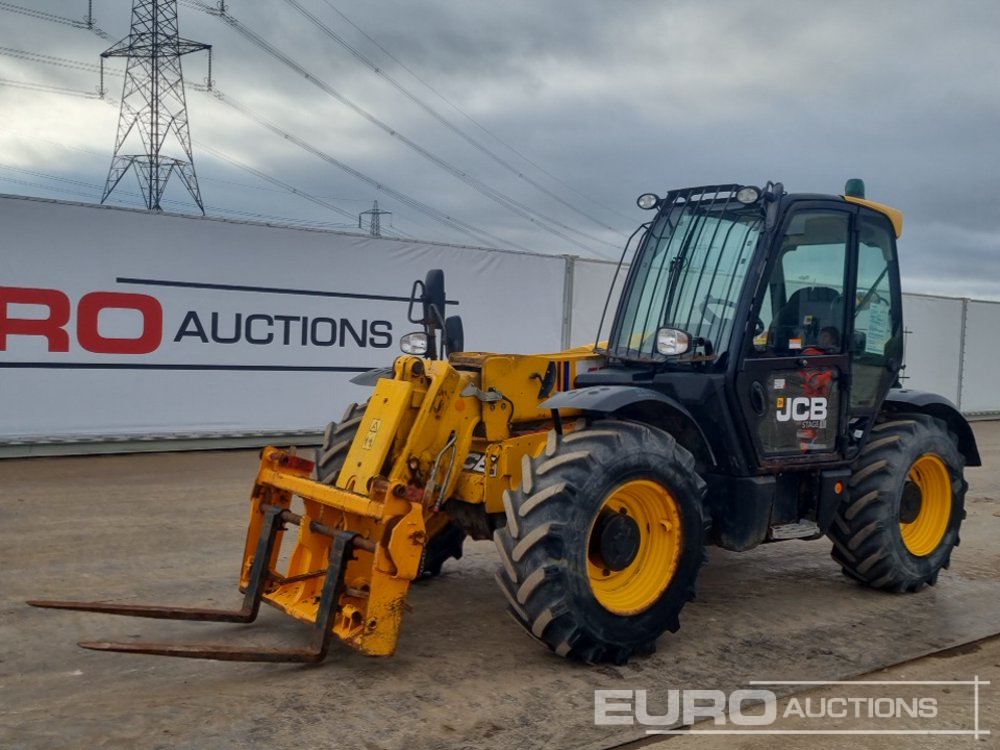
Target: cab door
column 876, row 320
column 794, row 381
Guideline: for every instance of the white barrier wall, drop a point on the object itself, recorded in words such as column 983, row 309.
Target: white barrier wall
column 120, row 324
column 981, row 358
column 933, row 345
column 591, row 280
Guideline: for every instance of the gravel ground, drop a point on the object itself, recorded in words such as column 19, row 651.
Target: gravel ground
column 168, row 528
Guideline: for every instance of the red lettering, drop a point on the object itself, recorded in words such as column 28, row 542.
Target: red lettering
column 90, row 337
column 50, row 327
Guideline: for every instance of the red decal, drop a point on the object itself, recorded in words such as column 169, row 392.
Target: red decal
column 90, row 337
column 51, row 327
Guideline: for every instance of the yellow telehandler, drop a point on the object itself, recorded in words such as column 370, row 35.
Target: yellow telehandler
column 747, row 393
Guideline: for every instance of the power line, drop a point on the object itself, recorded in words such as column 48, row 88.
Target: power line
column 67, row 191
column 476, row 234
column 42, row 15
column 507, row 202
column 437, row 115
column 46, row 176
column 274, row 181
column 87, row 23
column 475, row 122
column 93, row 190
column 280, row 185
column 49, row 89
column 52, row 60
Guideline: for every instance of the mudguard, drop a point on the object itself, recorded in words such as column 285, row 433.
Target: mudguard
column 642, row 405
column 905, row 399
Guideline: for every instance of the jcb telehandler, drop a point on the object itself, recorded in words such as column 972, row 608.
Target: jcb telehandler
column 748, row 392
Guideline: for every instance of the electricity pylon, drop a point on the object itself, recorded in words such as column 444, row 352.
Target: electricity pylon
column 375, row 224
column 153, row 103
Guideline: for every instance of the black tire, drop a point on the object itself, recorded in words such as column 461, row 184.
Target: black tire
column 337, row 441
column 442, row 545
column 546, row 547
column 868, row 538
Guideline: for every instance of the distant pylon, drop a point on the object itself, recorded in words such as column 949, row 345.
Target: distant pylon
column 153, row 103
column 375, row 224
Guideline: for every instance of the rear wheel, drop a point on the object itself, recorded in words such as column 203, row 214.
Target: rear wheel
column 898, row 527
column 603, row 540
column 445, row 539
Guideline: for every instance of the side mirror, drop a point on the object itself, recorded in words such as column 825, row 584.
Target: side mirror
column 430, row 294
column 433, row 298
column 454, row 335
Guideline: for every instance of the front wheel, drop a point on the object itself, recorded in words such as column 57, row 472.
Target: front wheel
column 603, row 541
column 898, row 527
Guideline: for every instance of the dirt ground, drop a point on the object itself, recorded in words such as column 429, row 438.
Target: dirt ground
column 168, row 528
column 955, row 706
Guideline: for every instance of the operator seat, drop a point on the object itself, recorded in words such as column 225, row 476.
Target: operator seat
column 807, row 312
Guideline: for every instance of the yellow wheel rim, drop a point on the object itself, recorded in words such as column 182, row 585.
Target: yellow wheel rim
column 637, row 586
column 924, row 533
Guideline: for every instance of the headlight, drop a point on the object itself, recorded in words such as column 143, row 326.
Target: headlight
column 414, row 343
column 747, row 195
column 671, row 342
column 647, row 201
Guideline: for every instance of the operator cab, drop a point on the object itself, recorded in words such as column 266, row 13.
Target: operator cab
column 773, row 319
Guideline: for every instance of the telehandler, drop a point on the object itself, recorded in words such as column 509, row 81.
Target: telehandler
column 748, row 392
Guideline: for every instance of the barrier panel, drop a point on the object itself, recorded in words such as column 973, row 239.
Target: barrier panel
column 118, row 323
column 121, row 325
column 591, row 281
column 981, row 358
column 933, row 344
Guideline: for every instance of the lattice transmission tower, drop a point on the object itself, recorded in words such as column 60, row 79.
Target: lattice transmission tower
column 153, row 104
column 375, row 222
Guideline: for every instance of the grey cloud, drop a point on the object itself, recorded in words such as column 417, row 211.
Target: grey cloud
column 614, row 98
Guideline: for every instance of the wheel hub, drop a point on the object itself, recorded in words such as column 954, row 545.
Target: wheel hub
column 925, row 511
column 616, row 538
column 911, row 502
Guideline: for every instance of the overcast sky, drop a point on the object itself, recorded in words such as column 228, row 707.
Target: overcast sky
column 600, row 101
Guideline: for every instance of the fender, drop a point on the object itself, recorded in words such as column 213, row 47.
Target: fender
column 641, row 405
column 931, row 404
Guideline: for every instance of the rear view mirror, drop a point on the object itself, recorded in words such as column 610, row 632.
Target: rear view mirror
column 430, row 294
column 433, row 298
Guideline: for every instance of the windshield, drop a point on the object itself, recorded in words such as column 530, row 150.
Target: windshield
column 688, row 273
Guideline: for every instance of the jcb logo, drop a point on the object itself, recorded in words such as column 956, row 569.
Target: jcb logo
column 801, row 409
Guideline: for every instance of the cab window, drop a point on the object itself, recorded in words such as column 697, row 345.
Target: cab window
column 877, row 319
column 803, row 306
